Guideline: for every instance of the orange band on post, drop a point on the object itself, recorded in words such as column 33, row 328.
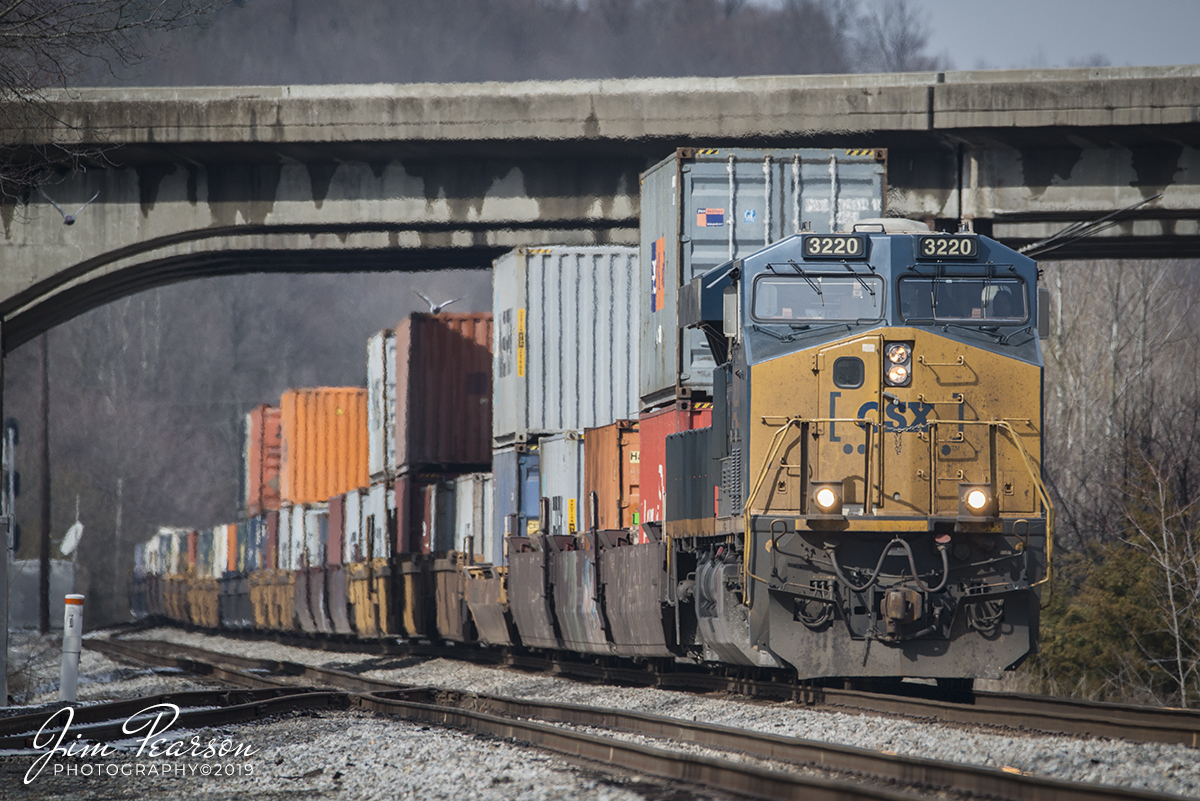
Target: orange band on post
column 78, row 601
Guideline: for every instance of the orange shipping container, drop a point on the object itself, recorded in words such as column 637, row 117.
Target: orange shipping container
column 324, row 448
column 264, row 434
column 444, row 392
column 612, row 470
column 231, row 552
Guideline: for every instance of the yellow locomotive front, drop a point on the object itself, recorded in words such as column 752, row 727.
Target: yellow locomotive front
column 881, row 473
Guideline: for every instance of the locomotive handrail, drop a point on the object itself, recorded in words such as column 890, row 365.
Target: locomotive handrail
column 1005, row 425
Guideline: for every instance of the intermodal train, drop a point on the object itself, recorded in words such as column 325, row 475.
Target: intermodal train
column 858, row 495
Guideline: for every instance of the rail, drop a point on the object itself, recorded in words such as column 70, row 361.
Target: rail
column 542, row 723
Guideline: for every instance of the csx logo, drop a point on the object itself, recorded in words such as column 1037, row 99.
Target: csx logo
column 897, row 415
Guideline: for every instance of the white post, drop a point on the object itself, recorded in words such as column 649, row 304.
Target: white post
column 72, row 644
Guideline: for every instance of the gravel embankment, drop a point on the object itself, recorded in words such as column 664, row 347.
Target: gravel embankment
column 1161, row 768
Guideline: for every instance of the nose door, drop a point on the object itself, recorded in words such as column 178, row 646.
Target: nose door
column 848, row 379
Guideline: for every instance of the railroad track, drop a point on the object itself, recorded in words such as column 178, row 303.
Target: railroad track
column 549, row 725
column 1029, row 713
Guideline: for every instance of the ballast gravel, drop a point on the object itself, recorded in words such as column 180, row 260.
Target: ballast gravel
column 1146, row 766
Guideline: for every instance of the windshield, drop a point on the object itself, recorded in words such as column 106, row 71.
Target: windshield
column 978, row 300
column 817, row 297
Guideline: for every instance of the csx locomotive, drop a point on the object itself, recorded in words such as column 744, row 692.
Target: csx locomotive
column 869, row 499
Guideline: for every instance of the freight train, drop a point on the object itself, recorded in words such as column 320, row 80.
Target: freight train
column 853, row 490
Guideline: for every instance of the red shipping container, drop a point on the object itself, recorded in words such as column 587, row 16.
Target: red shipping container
column 654, row 427
column 444, row 392
column 193, row 550
column 271, row 557
column 261, row 455
column 337, row 530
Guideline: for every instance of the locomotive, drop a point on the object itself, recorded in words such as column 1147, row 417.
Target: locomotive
column 868, row 500
column 865, row 501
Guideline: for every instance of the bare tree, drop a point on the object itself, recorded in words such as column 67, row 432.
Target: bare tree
column 894, row 36
column 45, row 43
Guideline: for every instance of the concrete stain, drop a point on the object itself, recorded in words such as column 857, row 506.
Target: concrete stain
column 1155, row 167
column 1039, row 168
column 320, row 176
column 150, row 177
column 7, row 212
column 251, row 190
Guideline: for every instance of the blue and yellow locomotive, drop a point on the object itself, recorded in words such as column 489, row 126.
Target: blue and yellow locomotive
column 869, row 499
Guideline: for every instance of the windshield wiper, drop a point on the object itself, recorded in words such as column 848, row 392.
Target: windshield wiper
column 975, row 328
column 811, row 282
column 798, row 330
column 859, row 278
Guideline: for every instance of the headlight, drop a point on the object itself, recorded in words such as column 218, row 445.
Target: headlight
column 975, row 501
column 898, row 353
column 826, row 498
column 897, row 374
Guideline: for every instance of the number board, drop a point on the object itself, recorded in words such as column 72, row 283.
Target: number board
column 948, row 247
column 834, row 246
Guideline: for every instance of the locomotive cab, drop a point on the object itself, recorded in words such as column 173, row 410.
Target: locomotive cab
column 877, row 431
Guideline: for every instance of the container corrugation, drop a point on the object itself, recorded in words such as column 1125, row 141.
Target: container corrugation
column 204, row 553
column 271, row 553
column 354, row 544
column 562, row 465
column 231, row 535
column 324, row 450
column 377, row 516
column 700, row 210
column 295, row 539
column 444, row 391
column 613, row 472
column 653, row 429
column 261, row 443
column 435, row 506
column 337, row 529
column 220, row 549
column 316, row 534
column 566, row 340
column 474, row 530
column 381, row 405
column 515, row 494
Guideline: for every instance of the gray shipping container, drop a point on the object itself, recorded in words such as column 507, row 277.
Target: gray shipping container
column 381, row 405
column 474, row 530
column 562, row 466
column 565, row 350
column 702, row 208
column 518, row 487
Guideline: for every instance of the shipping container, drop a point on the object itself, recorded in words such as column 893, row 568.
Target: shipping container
column 518, row 486
column 474, row 529
column 354, row 544
column 702, row 208
column 562, row 465
column 381, row 405
column 613, row 472
column 444, row 392
column 653, row 429
column 316, row 534
column 324, row 450
column 271, row 552
column 231, row 534
column 337, row 529
column 295, row 539
column 204, row 553
column 193, row 552
column 378, row 520
column 435, row 508
column 261, row 444
column 566, row 340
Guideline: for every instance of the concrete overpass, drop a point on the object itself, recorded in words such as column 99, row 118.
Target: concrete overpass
column 204, row 181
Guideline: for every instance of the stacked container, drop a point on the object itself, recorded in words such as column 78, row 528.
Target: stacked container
column 262, row 452
column 703, row 208
column 324, row 443
column 613, row 472
column 566, row 340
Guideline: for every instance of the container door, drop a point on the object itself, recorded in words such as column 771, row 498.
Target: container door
column 849, row 375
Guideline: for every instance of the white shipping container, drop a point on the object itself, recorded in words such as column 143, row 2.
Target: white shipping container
column 176, row 550
column 381, row 405
column 295, row 558
column 220, row 548
column 355, row 543
column 316, row 534
column 562, row 462
column 474, row 515
column 565, row 346
column 375, row 521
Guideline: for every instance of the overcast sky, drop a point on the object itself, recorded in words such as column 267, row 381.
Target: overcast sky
column 1055, row 33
